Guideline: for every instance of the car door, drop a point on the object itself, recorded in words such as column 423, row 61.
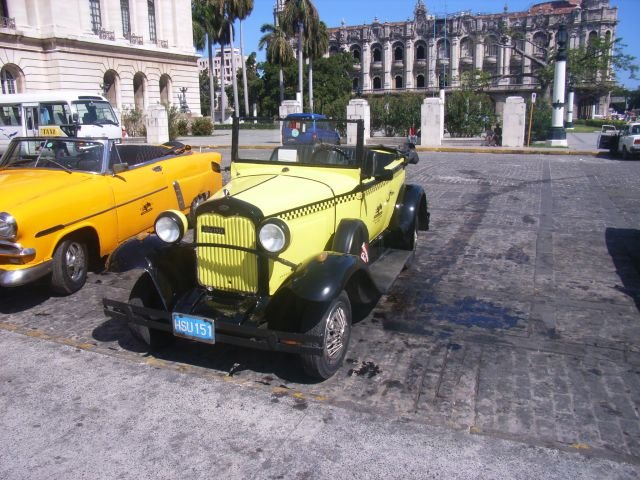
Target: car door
column 378, row 193
column 140, row 192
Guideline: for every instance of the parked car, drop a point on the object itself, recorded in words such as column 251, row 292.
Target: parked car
column 308, row 129
column 68, row 202
column 606, row 136
column 295, row 245
column 625, row 142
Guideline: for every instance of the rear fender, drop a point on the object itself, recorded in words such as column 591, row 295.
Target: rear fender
column 172, row 268
column 410, row 206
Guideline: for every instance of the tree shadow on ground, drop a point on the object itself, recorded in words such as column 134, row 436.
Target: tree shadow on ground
column 623, row 245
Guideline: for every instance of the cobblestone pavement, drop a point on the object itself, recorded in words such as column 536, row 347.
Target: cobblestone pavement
column 519, row 318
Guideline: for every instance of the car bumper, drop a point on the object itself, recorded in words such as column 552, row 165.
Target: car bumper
column 22, row 276
column 241, row 335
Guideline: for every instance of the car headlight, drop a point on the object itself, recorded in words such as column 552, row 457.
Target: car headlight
column 171, row 226
column 274, row 235
column 8, row 227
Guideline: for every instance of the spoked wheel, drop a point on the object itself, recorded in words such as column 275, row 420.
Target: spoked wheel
column 144, row 294
column 70, row 266
column 334, row 325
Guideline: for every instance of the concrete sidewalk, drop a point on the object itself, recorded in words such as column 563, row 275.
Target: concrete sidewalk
column 579, row 143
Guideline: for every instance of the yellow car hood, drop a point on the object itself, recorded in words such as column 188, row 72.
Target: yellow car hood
column 20, row 187
column 274, row 193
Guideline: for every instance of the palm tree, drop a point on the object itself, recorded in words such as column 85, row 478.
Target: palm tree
column 279, row 51
column 209, row 27
column 316, row 44
column 243, row 10
column 203, row 23
column 297, row 16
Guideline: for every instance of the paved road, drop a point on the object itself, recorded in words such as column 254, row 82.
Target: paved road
column 515, row 333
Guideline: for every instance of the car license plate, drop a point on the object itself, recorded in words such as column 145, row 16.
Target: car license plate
column 194, row 328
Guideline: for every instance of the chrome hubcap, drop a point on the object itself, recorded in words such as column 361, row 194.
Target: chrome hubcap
column 75, row 261
column 335, row 330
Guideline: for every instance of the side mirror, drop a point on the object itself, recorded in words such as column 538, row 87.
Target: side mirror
column 120, row 167
column 75, row 118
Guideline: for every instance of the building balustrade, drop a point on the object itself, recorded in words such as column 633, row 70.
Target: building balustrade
column 162, row 43
column 136, row 39
column 106, row 34
column 7, row 22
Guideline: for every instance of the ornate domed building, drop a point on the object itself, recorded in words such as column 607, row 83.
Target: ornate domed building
column 430, row 51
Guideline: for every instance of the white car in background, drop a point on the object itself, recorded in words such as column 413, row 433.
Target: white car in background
column 625, row 142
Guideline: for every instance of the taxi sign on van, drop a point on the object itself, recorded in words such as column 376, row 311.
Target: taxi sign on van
column 50, row 131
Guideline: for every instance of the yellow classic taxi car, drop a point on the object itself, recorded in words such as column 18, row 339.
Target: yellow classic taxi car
column 65, row 203
column 296, row 245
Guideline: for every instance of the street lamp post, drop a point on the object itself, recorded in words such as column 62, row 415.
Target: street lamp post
column 569, row 123
column 558, row 135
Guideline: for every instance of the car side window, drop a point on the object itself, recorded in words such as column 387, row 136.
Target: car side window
column 635, row 130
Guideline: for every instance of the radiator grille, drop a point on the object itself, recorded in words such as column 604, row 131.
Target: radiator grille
column 226, row 268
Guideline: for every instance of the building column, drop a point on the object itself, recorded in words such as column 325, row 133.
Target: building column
column 455, row 61
column 366, row 66
column 408, row 73
column 528, row 49
column 433, row 70
column 479, row 56
column 388, row 60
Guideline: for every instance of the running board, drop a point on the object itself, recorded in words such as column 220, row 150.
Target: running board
column 387, row 268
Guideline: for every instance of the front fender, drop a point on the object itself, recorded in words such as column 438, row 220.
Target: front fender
column 324, row 276
column 172, row 268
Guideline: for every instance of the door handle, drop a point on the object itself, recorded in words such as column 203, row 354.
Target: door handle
column 157, row 168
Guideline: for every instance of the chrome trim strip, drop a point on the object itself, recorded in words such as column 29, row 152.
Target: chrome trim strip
column 15, row 278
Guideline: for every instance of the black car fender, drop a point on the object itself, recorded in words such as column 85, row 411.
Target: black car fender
column 324, row 276
column 171, row 267
column 410, row 206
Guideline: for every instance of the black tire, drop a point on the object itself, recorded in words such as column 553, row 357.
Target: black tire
column 333, row 324
column 144, row 294
column 70, row 266
column 625, row 153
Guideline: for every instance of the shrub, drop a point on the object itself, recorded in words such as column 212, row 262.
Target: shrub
column 133, row 122
column 201, row 126
column 172, row 120
column 541, row 123
column 183, row 127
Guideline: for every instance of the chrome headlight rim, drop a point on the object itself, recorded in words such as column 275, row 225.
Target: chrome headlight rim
column 170, row 227
column 280, row 228
column 8, row 227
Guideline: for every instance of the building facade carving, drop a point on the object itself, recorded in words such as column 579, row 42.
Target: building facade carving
column 137, row 53
column 433, row 51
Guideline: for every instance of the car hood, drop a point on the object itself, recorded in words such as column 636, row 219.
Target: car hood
column 278, row 193
column 22, row 186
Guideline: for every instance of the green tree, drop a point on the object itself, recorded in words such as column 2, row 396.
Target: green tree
column 540, row 121
column 297, row 16
column 279, row 51
column 316, row 45
column 395, row 113
column 468, row 113
column 205, row 92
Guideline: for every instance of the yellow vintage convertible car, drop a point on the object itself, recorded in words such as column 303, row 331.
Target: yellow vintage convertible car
column 301, row 240
column 66, row 202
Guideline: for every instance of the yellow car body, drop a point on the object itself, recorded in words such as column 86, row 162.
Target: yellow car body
column 88, row 201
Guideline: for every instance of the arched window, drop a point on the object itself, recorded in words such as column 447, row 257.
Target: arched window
column 140, row 90
column 165, row 89
column 491, row 46
column 377, row 84
column 540, row 41
column 420, row 81
column 466, row 48
column 355, row 83
column 111, row 86
column 333, row 50
column 377, row 54
column 399, row 81
column 12, row 79
column 421, row 53
column 444, row 50
column 355, row 53
column 398, row 52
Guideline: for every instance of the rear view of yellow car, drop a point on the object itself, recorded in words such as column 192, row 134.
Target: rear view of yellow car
column 66, row 202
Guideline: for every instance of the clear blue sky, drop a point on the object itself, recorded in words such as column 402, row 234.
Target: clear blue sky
column 358, row 12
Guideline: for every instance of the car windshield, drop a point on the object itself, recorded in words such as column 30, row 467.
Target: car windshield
column 54, row 153
column 95, row 112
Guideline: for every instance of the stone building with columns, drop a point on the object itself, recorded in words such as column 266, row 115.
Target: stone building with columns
column 429, row 51
column 138, row 53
